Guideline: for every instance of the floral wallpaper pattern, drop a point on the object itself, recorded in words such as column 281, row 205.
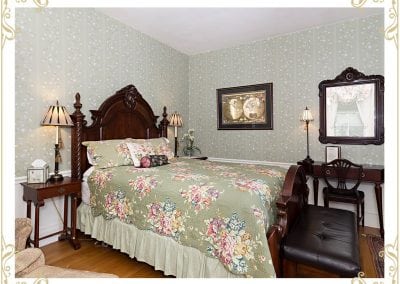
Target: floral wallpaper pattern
column 295, row 63
column 62, row 51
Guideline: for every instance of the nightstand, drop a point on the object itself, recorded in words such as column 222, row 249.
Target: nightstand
column 38, row 192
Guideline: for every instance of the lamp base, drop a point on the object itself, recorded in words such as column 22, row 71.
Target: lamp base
column 308, row 160
column 176, row 147
column 56, row 177
column 307, row 164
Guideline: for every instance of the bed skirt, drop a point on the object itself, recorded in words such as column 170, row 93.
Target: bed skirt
column 161, row 252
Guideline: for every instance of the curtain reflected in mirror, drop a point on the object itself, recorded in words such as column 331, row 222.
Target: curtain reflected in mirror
column 350, row 110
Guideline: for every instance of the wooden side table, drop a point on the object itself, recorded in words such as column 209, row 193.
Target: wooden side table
column 38, row 192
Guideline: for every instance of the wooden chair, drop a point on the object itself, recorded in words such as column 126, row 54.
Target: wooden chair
column 335, row 174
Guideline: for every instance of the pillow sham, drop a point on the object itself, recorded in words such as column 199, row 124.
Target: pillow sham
column 108, row 153
column 160, row 145
column 139, row 150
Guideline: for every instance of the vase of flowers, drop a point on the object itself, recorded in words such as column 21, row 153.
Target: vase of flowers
column 189, row 149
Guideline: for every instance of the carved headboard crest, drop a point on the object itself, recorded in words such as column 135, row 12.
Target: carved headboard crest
column 130, row 95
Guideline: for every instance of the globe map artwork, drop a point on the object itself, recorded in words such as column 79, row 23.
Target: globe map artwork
column 244, row 108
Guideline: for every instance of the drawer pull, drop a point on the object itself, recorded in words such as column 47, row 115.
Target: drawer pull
column 328, row 172
column 61, row 190
column 362, row 175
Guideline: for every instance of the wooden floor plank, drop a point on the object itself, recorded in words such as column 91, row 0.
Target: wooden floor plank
column 93, row 256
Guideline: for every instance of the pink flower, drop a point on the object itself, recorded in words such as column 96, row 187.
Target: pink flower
column 154, row 209
column 214, row 226
column 166, row 225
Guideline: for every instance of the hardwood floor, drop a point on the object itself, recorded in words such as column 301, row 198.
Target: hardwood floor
column 95, row 257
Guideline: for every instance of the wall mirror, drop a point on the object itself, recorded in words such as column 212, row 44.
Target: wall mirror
column 351, row 109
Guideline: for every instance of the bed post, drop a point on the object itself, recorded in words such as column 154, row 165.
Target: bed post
column 163, row 126
column 76, row 138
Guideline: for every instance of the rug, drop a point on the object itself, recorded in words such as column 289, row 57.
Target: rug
column 375, row 244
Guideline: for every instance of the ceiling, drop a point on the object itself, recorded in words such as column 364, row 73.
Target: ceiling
column 198, row 30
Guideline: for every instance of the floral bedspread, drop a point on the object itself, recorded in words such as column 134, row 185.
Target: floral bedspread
column 221, row 209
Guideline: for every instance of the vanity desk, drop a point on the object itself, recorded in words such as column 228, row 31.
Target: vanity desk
column 371, row 174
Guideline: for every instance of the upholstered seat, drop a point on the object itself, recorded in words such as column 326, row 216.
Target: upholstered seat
column 30, row 262
column 323, row 238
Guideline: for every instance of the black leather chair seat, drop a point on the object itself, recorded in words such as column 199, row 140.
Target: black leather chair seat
column 325, row 238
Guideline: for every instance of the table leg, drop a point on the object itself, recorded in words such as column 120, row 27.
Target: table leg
column 36, row 234
column 378, row 195
column 28, row 209
column 64, row 234
column 65, row 213
column 315, row 187
column 28, row 215
column 74, row 239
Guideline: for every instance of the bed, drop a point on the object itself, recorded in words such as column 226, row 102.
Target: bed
column 189, row 218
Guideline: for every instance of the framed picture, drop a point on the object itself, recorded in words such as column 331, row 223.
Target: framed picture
column 332, row 153
column 38, row 175
column 245, row 107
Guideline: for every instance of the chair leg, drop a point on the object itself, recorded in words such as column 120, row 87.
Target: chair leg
column 363, row 213
column 358, row 214
column 326, row 201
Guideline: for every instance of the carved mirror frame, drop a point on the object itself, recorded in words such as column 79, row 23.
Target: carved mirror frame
column 366, row 95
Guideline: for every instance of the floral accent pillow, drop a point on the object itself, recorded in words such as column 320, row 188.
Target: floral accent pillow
column 139, row 150
column 108, row 153
column 160, row 145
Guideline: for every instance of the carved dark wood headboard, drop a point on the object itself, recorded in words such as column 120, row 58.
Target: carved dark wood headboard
column 125, row 114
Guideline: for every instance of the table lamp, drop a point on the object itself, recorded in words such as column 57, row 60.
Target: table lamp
column 57, row 116
column 176, row 121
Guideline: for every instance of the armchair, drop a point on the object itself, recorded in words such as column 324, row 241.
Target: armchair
column 30, row 262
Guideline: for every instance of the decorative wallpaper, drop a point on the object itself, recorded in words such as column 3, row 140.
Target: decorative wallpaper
column 60, row 52
column 63, row 51
column 295, row 63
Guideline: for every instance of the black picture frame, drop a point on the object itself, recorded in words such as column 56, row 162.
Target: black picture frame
column 245, row 107
column 352, row 82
